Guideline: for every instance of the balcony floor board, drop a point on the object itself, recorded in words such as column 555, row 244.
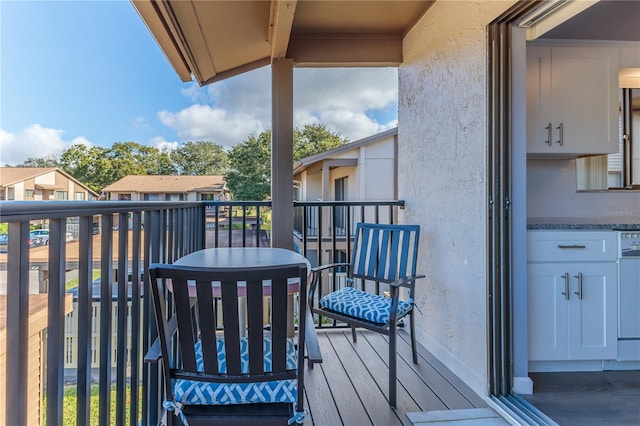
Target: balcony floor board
column 350, row 387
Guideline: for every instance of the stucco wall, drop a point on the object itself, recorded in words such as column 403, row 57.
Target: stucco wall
column 442, row 176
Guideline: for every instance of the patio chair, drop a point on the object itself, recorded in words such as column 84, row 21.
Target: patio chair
column 382, row 255
column 214, row 373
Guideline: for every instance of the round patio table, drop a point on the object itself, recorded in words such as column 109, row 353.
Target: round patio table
column 245, row 258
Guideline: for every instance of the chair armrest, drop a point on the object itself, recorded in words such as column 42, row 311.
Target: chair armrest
column 153, row 354
column 405, row 281
column 327, row 266
column 315, row 276
column 311, row 340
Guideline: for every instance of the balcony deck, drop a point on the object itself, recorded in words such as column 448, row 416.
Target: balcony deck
column 350, row 387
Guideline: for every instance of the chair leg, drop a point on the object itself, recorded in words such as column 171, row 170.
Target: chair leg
column 392, row 365
column 353, row 334
column 412, row 331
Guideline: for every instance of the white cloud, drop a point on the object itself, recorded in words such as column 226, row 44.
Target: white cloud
column 346, row 100
column 34, row 141
column 163, row 145
column 203, row 122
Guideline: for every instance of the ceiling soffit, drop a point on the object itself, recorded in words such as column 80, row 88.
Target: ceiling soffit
column 213, row 40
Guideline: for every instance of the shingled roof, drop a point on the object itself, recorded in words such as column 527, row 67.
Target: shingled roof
column 162, row 184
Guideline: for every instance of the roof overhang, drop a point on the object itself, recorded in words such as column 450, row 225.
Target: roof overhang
column 212, row 40
column 47, row 187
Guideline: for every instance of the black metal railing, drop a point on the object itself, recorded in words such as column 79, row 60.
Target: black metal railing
column 87, row 350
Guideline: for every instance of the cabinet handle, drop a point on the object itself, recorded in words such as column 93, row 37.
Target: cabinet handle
column 579, row 292
column 566, row 285
column 573, row 246
column 548, row 129
column 560, row 140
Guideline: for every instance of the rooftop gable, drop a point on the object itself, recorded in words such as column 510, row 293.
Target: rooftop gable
column 303, row 164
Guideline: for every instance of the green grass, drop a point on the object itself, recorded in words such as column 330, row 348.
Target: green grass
column 74, row 282
column 70, row 402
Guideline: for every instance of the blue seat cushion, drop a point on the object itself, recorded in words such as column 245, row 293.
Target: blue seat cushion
column 363, row 305
column 207, row 393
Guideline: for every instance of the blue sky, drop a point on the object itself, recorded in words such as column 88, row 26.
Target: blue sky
column 90, row 72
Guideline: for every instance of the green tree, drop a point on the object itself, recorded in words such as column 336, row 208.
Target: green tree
column 87, row 164
column 132, row 158
column 98, row 167
column 249, row 175
column 49, row 161
column 201, row 158
column 313, row 139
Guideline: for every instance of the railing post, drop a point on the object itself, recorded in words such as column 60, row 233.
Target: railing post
column 106, row 303
column 83, row 365
column 56, row 320
column 123, row 295
column 18, row 317
column 135, row 319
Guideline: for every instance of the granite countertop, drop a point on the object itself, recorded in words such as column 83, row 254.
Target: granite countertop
column 583, row 223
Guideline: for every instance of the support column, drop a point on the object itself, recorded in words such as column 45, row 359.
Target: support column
column 282, row 154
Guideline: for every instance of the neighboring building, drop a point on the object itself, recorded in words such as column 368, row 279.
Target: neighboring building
column 167, row 188
column 365, row 169
column 41, row 184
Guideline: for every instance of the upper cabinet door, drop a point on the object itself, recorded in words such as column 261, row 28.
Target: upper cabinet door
column 572, row 101
column 539, row 114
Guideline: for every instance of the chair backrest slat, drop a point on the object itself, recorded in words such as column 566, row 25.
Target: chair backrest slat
column 279, row 326
column 385, row 253
column 185, row 323
column 207, row 320
column 255, row 327
column 231, row 326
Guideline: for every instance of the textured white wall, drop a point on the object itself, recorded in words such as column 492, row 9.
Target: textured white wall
column 442, row 176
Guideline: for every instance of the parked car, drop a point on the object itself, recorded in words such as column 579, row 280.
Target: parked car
column 35, row 240
column 42, row 233
column 4, row 239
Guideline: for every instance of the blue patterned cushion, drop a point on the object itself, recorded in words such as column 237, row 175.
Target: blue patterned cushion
column 360, row 304
column 200, row 393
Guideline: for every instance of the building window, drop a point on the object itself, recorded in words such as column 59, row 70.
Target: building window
column 61, row 195
column 28, row 193
column 154, row 197
column 624, row 167
column 124, row 197
column 174, row 197
column 207, row 197
column 79, row 196
column 340, row 194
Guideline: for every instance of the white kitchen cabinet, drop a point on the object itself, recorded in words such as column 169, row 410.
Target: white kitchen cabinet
column 567, row 325
column 572, row 294
column 572, row 101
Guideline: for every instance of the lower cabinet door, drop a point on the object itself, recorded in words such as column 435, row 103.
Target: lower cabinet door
column 548, row 315
column 593, row 318
column 572, row 311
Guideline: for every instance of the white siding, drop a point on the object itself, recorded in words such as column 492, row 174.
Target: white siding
column 442, row 171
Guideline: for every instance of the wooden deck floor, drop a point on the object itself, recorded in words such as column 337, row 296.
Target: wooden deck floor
column 588, row 398
column 350, row 387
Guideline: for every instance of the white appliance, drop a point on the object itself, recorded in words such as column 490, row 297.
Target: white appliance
column 629, row 296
